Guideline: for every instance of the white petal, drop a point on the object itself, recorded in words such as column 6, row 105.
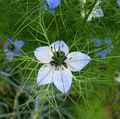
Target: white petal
column 60, row 44
column 62, row 80
column 98, row 13
column 43, row 54
column 76, row 61
column 45, row 74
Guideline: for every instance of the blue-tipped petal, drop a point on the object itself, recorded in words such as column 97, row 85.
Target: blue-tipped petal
column 107, row 41
column 99, row 13
column 9, row 55
column 18, row 51
column 97, row 42
column 5, row 47
column 10, row 40
column 53, row 3
column 118, row 2
column 62, row 79
column 19, row 43
column 104, row 54
column 45, row 74
column 76, row 61
column 43, row 54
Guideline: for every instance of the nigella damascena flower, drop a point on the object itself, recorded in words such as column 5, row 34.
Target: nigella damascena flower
column 53, row 4
column 118, row 2
column 96, row 11
column 100, row 50
column 43, row 7
column 58, row 65
column 12, row 48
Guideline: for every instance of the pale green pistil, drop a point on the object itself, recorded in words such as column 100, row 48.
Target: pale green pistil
column 58, row 58
column 11, row 47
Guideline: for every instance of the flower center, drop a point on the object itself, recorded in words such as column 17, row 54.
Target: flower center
column 11, row 47
column 58, row 58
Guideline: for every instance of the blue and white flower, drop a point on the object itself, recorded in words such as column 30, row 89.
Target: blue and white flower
column 58, row 64
column 118, row 2
column 44, row 8
column 12, row 48
column 100, row 50
column 53, row 3
column 96, row 11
